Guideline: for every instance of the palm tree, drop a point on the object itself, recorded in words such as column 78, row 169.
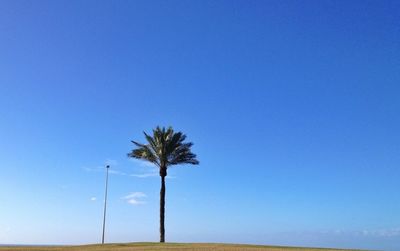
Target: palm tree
column 165, row 148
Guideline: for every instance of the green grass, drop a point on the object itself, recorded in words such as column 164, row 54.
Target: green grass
column 148, row 246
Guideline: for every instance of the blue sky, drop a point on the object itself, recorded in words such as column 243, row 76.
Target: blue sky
column 293, row 107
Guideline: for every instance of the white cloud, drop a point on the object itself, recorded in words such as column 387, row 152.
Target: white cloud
column 142, row 163
column 392, row 232
column 94, row 169
column 389, row 232
column 111, row 171
column 101, row 169
column 135, row 198
column 150, row 174
column 88, row 169
column 135, row 195
column 144, row 175
column 93, row 198
column 146, row 170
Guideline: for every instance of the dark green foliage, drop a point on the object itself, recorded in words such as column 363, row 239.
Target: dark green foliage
column 165, row 148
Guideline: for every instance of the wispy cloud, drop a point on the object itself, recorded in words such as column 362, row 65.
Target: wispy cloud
column 144, row 172
column 102, row 169
column 93, row 169
column 146, row 169
column 150, row 174
column 135, row 198
column 93, row 199
column 386, row 233
column 392, row 232
column 113, row 170
column 144, row 175
column 142, row 163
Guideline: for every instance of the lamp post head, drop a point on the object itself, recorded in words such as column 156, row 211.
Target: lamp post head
column 108, row 166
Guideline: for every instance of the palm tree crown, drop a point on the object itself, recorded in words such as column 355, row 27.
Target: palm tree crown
column 165, row 148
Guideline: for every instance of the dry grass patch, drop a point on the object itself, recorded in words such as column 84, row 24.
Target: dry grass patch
column 148, row 246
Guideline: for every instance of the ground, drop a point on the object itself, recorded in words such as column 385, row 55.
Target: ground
column 147, row 246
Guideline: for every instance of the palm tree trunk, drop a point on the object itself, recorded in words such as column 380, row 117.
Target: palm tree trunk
column 162, row 209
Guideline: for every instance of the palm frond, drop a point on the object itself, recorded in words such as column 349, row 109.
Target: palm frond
column 183, row 155
column 144, row 152
column 151, row 141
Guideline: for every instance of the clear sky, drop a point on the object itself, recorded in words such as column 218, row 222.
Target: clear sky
column 293, row 107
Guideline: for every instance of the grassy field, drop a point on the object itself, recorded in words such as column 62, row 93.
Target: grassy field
column 147, row 246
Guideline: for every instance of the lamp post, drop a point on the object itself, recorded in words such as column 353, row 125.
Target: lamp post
column 105, row 205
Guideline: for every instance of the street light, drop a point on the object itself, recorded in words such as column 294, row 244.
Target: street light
column 105, row 205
